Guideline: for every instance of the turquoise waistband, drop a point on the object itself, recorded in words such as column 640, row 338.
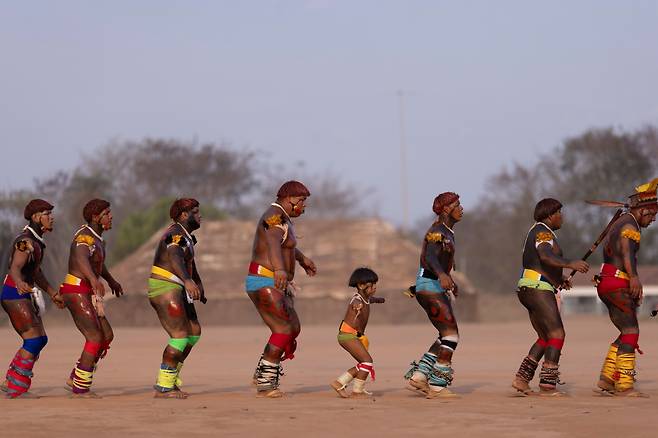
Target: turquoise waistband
column 429, row 285
column 253, row 282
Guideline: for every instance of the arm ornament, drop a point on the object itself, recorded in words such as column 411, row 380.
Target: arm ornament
column 273, row 221
column 175, row 239
column 24, row 245
column 542, row 237
column 434, row 237
column 632, row 235
column 84, row 239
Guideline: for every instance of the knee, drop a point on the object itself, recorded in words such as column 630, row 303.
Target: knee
column 192, row 340
column 35, row 345
column 556, row 334
column 95, row 337
column 109, row 337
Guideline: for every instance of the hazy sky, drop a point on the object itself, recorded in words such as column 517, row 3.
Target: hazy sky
column 488, row 82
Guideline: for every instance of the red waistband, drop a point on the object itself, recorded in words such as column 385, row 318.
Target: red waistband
column 608, row 269
column 9, row 281
column 256, row 269
column 83, row 288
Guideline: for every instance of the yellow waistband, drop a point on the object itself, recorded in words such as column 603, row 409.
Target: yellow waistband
column 531, row 275
column 622, row 274
column 166, row 274
column 72, row 279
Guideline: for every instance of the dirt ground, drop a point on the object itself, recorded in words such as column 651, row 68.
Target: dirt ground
column 218, row 375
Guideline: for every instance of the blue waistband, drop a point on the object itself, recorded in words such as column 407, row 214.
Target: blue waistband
column 428, row 285
column 11, row 293
column 253, row 282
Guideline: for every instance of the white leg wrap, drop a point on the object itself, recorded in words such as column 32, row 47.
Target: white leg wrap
column 345, row 379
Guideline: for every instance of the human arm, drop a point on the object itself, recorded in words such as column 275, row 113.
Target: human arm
column 549, row 258
column 81, row 254
column 306, row 263
column 115, row 287
column 273, row 238
column 177, row 261
column 377, row 300
column 434, row 247
column 19, row 259
column 42, row 282
column 197, row 280
column 629, row 245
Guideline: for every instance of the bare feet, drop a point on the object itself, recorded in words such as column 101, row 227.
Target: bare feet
column 604, row 388
column 88, row 394
column 631, row 393
column 339, row 388
column 443, row 393
column 364, row 394
column 25, row 395
column 544, row 392
column 174, row 393
column 522, row 387
column 69, row 385
column 272, row 393
column 416, row 386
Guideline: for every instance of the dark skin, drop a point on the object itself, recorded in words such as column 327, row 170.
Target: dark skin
column 171, row 306
column 542, row 305
column 622, row 253
column 91, row 267
column 22, row 314
column 357, row 317
column 438, row 257
column 552, row 255
column 271, row 251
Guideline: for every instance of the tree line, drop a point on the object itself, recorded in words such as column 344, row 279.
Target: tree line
column 142, row 178
column 599, row 164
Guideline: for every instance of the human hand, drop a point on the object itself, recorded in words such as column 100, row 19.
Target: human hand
column 58, row 300
column 446, row 281
column 116, row 288
column 579, row 265
column 635, row 288
column 23, row 287
column 281, row 279
column 97, row 287
column 192, row 289
column 309, row 266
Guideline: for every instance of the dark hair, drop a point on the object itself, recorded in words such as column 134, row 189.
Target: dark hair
column 36, row 206
column 94, row 207
column 363, row 275
column 182, row 205
column 545, row 208
column 443, row 200
column 292, row 188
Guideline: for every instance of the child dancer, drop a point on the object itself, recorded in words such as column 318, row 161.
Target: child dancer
column 351, row 334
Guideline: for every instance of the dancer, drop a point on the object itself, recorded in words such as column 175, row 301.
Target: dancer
column 173, row 286
column 620, row 289
column 351, row 334
column 19, row 300
column 541, row 277
column 433, row 373
column 270, row 285
column 83, row 293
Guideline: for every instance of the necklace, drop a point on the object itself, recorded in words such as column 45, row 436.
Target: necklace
column 274, row 204
column 34, row 233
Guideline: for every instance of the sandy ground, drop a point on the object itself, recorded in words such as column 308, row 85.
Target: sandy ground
column 218, row 374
